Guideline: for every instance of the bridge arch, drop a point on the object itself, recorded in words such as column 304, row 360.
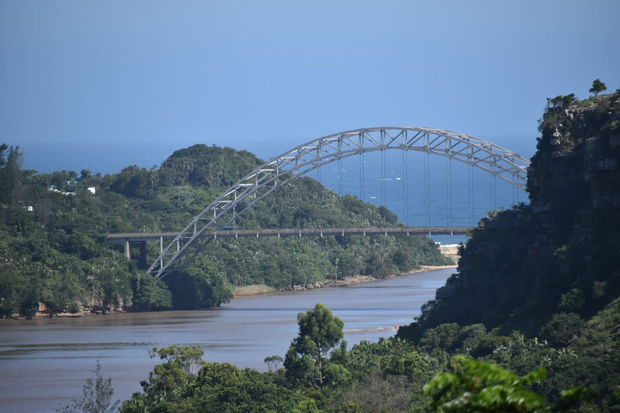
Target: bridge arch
column 500, row 162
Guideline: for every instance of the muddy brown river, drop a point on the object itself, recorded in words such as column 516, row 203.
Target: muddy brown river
column 44, row 362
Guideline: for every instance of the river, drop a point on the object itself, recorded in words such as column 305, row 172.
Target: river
column 45, row 362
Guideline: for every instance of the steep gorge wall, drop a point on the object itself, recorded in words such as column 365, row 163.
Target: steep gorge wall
column 561, row 253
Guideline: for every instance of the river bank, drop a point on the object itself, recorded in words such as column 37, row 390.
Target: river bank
column 249, row 291
column 450, row 251
column 45, row 362
column 253, row 290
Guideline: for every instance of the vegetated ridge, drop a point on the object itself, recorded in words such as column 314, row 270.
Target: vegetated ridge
column 559, row 256
column 530, row 323
column 54, row 256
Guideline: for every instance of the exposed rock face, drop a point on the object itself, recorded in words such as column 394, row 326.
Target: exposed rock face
column 577, row 166
column 520, row 265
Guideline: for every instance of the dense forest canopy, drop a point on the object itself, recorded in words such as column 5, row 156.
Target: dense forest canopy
column 530, row 323
column 55, row 256
column 559, row 256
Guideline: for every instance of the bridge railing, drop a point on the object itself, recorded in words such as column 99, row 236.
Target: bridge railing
column 141, row 238
column 290, row 232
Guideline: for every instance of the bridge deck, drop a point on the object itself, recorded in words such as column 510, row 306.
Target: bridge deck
column 288, row 232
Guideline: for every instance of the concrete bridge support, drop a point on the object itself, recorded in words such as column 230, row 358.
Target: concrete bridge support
column 127, row 249
column 142, row 258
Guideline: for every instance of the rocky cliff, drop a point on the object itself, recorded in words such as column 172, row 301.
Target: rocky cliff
column 561, row 253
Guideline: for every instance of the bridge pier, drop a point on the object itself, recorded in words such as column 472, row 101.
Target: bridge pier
column 142, row 259
column 127, row 249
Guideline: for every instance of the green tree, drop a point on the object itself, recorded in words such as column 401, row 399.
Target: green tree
column 562, row 329
column 273, row 362
column 201, row 285
column 222, row 387
column 218, row 387
column 377, row 393
column 150, row 294
column 307, row 358
column 476, row 386
column 169, row 382
column 10, row 174
column 187, row 358
column 443, row 337
column 597, row 87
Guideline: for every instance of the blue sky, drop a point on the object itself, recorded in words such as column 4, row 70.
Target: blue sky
column 105, row 84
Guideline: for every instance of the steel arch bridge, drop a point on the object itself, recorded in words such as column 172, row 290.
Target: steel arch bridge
column 277, row 172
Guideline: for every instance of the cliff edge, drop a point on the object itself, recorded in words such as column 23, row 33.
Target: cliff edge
column 560, row 253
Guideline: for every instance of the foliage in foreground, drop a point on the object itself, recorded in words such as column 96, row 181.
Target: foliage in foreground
column 530, row 323
column 96, row 397
column 438, row 374
column 482, row 387
column 307, row 360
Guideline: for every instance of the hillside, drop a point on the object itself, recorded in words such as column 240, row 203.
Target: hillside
column 530, row 323
column 53, row 249
column 558, row 256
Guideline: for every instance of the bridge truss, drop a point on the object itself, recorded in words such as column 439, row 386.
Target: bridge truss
column 277, row 172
